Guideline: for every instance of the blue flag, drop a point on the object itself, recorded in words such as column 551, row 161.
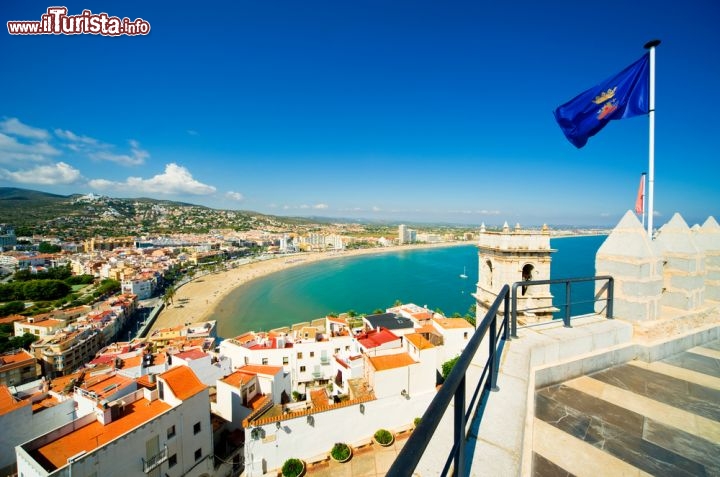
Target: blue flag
column 623, row 96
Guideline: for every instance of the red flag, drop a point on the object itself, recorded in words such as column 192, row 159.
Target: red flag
column 640, row 201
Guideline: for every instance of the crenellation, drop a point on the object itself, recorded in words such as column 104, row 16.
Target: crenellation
column 684, row 265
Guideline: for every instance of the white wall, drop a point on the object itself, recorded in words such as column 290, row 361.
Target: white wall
column 297, row 438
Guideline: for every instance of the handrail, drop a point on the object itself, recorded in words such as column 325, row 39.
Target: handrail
column 568, row 293
column 454, row 388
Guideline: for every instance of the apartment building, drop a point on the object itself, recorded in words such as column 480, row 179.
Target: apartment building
column 18, row 367
column 162, row 430
column 26, row 412
column 68, row 350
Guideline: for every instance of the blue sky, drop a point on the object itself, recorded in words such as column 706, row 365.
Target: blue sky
column 391, row 110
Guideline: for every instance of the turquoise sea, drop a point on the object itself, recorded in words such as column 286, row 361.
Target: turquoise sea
column 425, row 276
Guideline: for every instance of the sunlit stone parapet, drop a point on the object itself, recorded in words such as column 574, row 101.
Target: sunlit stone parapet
column 707, row 238
column 684, row 265
column 628, row 255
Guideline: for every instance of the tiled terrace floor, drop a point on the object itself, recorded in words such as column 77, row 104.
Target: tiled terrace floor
column 660, row 418
column 369, row 461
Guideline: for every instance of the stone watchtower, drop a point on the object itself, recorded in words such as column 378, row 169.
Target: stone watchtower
column 510, row 256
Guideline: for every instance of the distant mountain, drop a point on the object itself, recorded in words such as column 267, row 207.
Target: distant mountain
column 13, row 193
column 76, row 216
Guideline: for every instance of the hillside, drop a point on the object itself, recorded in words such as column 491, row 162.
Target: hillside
column 76, row 217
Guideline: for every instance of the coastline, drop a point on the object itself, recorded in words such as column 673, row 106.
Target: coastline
column 198, row 299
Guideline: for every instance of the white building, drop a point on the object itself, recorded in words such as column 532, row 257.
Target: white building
column 28, row 412
column 163, row 431
column 248, row 390
column 456, row 333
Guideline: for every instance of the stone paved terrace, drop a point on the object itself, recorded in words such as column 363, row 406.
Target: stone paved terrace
column 659, row 418
column 591, row 400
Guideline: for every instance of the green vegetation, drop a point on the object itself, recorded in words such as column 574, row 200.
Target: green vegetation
column 107, row 287
column 416, row 421
column 45, row 247
column 8, row 342
column 34, row 290
column 448, row 366
column 340, row 452
column 11, row 308
column 292, row 468
column 383, row 437
column 55, row 273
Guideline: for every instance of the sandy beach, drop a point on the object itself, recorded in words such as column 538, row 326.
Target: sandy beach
column 197, row 300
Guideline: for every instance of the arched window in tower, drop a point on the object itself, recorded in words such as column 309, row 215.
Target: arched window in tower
column 527, row 275
column 489, row 268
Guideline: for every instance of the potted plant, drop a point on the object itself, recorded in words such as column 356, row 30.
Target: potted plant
column 383, row 437
column 293, row 468
column 341, row 452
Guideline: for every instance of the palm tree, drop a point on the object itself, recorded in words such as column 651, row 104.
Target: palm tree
column 169, row 294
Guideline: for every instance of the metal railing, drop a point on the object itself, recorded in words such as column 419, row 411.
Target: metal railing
column 454, row 386
column 154, row 461
column 609, row 289
column 454, row 389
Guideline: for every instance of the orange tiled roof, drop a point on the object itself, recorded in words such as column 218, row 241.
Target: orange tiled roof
column 20, row 356
column 419, row 341
column 183, row 382
column 237, row 379
column 94, row 435
column 191, row 354
column 426, row 329
column 391, row 361
column 260, row 369
column 8, row 403
column 453, row 323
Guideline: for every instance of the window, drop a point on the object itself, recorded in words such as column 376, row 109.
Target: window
column 312, row 354
column 252, row 389
column 465, row 335
column 172, row 460
column 347, row 348
column 265, row 361
column 171, row 432
column 286, row 360
column 161, row 390
column 300, row 355
column 198, row 454
column 337, row 350
column 302, row 369
column 196, row 428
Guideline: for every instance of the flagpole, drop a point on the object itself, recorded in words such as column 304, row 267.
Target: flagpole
column 651, row 148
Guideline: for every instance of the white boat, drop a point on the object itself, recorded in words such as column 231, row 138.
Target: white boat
column 463, row 275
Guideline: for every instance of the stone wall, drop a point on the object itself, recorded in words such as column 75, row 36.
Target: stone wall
column 678, row 271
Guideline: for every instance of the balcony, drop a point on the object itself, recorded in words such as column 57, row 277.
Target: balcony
column 324, row 360
column 154, row 461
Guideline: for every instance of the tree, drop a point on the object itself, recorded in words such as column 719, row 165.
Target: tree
column 169, row 295
column 46, row 247
column 448, row 366
column 12, row 308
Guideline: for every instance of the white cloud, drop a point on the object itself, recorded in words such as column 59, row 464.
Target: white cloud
column 175, row 180
column 376, row 208
column 14, row 127
column 234, row 196
column 51, row 174
column 11, row 150
column 70, row 136
column 320, row 206
column 136, row 157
